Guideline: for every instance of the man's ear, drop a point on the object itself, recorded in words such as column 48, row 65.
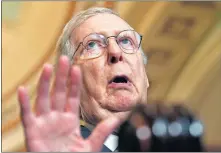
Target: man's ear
column 147, row 80
column 148, row 83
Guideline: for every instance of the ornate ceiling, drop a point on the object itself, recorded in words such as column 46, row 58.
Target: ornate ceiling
column 181, row 39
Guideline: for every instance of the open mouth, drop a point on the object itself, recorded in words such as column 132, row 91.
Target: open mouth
column 119, row 79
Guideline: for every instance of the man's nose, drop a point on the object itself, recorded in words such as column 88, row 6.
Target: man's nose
column 114, row 51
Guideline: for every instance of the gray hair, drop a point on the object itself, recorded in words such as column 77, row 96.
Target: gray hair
column 65, row 46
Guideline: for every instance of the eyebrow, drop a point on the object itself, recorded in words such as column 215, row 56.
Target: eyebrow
column 104, row 33
column 116, row 32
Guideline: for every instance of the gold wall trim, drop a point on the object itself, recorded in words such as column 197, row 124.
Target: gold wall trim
column 198, row 65
column 38, row 66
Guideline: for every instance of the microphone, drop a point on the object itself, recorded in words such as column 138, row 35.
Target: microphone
column 160, row 128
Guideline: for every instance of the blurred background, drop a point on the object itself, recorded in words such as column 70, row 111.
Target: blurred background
column 181, row 39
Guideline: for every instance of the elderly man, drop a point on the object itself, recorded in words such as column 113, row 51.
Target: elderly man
column 105, row 80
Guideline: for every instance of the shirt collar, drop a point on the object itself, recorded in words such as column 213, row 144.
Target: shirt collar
column 111, row 142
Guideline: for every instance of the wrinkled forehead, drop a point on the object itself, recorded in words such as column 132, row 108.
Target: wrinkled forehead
column 105, row 24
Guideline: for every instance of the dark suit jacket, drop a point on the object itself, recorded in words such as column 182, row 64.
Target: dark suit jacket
column 85, row 132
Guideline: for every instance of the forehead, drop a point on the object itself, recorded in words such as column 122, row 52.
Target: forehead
column 106, row 24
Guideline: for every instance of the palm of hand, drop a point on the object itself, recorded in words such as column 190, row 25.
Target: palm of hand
column 53, row 132
column 54, row 128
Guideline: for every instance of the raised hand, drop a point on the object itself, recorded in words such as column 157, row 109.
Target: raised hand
column 54, row 128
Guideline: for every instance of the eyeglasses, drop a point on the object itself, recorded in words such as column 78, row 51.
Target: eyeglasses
column 94, row 44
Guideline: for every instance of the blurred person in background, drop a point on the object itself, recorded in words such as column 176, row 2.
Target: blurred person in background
column 100, row 77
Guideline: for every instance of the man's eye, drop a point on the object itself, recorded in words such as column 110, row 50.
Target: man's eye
column 125, row 41
column 91, row 45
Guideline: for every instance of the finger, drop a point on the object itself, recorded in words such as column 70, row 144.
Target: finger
column 43, row 100
column 59, row 95
column 74, row 92
column 26, row 113
column 102, row 131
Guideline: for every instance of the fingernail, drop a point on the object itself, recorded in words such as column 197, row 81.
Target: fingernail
column 63, row 57
column 20, row 88
column 47, row 65
column 76, row 68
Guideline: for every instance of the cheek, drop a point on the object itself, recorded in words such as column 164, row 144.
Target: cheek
column 137, row 66
column 139, row 71
column 93, row 76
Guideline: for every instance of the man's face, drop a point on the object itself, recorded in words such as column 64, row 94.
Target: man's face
column 102, row 95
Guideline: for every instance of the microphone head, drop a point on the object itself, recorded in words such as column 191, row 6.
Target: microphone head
column 156, row 128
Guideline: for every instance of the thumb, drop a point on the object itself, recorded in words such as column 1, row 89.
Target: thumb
column 102, row 131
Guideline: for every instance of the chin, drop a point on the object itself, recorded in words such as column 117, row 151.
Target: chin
column 122, row 103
